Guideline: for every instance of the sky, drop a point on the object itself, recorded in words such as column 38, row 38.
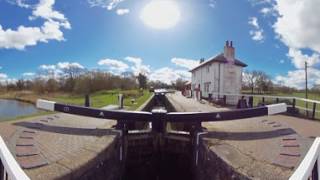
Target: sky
column 162, row 38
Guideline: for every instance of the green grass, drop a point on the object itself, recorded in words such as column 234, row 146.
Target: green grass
column 104, row 98
column 312, row 96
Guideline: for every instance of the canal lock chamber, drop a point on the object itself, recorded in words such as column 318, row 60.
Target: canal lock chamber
column 142, row 152
column 152, row 155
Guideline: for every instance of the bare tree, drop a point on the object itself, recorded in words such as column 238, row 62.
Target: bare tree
column 249, row 79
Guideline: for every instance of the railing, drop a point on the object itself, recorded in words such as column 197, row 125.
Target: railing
column 309, row 168
column 310, row 105
column 9, row 168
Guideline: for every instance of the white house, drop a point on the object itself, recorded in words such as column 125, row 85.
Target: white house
column 221, row 74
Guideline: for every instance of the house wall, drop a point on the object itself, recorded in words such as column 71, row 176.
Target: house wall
column 230, row 80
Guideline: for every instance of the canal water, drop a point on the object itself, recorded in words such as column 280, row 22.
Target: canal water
column 12, row 108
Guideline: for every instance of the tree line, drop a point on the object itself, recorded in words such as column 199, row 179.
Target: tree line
column 77, row 81
column 260, row 82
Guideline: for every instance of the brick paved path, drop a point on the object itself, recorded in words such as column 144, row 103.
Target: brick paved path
column 53, row 146
column 268, row 147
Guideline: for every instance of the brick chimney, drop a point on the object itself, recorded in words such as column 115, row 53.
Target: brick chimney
column 229, row 51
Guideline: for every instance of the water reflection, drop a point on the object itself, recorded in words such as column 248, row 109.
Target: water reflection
column 13, row 108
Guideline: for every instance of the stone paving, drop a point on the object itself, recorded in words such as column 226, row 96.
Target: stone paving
column 54, row 146
column 268, row 147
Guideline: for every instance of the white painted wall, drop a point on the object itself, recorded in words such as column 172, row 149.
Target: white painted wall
column 230, row 80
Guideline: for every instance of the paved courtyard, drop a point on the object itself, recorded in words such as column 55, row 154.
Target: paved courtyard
column 57, row 145
column 267, row 147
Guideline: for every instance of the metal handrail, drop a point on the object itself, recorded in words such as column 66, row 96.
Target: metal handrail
column 268, row 96
column 9, row 168
column 310, row 165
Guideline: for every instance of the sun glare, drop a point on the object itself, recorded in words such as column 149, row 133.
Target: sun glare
column 161, row 14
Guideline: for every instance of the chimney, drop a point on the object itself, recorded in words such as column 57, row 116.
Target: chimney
column 229, row 51
column 201, row 60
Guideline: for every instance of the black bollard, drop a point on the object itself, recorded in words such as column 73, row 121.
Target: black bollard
column 250, row 101
column 87, row 100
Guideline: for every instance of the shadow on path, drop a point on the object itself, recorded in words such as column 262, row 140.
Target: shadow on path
column 67, row 130
column 243, row 136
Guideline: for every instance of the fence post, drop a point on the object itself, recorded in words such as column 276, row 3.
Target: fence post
column 224, row 99
column 294, row 103
column 314, row 110
column 277, row 100
column 87, row 100
column 120, row 101
column 251, row 101
column 262, row 100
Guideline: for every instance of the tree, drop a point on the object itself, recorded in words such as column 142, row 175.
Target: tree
column 71, row 71
column 258, row 80
column 179, row 84
column 20, row 84
column 142, row 79
column 39, row 85
column 249, row 79
column 52, row 85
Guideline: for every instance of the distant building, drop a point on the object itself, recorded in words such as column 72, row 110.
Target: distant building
column 221, row 74
column 187, row 89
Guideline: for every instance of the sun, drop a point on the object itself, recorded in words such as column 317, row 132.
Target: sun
column 161, row 14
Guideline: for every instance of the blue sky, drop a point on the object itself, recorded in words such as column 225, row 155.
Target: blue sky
column 269, row 35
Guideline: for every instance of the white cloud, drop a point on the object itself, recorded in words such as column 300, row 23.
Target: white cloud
column 30, row 36
column 186, row 63
column 297, row 24
column 168, row 75
column 3, row 76
column 298, row 27
column 256, row 33
column 108, row 4
column 299, row 59
column 254, row 22
column 4, row 79
column 281, row 61
column 266, row 11
column 45, row 10
column 138, row 67
column 58, row 70
column 28, row 74
column 114, row 65
column 212, row 3
column 68, row 65
column 259, row 2
column 20, row 3
column 122, row 11
column 296, row 78
column 47, row 67
column 135, row 60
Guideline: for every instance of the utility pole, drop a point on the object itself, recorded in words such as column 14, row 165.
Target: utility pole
column 306, row 74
